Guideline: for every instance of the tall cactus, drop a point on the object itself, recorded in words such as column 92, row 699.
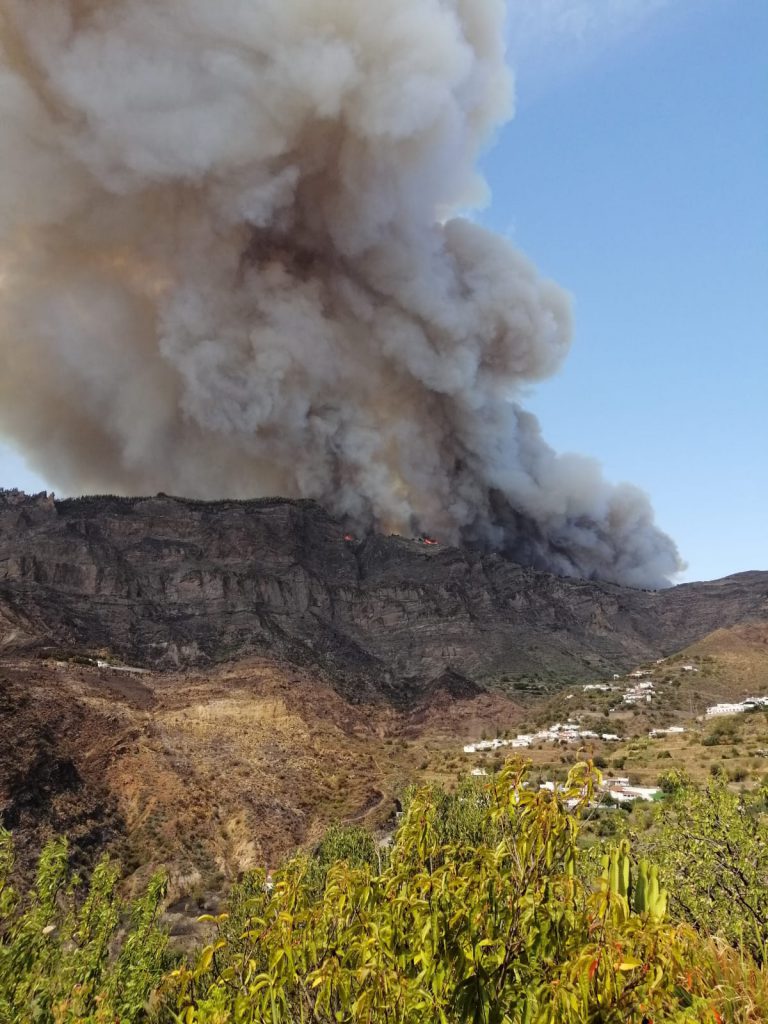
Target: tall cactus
column 649, row 898
column 643, row 893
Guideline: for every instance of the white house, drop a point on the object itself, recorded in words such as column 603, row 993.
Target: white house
column 748, row 704
column 626, row 794
column 725, row 709
column 521, row 741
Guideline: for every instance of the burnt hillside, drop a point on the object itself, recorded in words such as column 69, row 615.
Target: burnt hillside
column 168, row 583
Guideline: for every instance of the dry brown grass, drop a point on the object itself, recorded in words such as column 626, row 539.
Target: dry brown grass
column 215, row 772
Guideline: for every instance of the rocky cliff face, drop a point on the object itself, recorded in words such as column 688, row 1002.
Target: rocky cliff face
column 296, row 675
column 170, row 583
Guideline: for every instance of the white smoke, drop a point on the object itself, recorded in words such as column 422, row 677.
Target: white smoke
column 228, row 268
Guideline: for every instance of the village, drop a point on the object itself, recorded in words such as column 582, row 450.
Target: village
column 611, row 789
column 635, row 689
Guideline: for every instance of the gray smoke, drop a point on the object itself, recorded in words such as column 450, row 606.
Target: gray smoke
column 230, row 265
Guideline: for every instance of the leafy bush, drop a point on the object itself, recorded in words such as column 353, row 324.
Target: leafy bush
column 712, row 848
column 57, row 962
column 673, row 780
column 493, row 929
column 350, row 843
column 485, row 910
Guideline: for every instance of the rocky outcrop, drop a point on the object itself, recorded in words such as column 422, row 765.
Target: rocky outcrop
column 168, row 582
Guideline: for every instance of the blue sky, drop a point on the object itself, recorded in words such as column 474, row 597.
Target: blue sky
column 636, row 174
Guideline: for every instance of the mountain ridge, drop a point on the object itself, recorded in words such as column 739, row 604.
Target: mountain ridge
column 208, row 685
column 170, row 583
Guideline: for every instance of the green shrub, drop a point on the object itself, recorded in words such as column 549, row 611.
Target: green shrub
column 712, row 848
column 482, row 921
column 673, row 780
column 57, row 964
column 486, row 910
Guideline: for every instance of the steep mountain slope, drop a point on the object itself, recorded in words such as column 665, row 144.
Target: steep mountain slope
column 209, row 771
column 169, row 583
column 280, row 673
column 734, row 662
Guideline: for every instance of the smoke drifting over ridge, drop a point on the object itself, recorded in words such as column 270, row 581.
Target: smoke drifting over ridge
column 228, row 268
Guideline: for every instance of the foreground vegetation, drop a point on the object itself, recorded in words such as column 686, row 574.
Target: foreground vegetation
column 487, row 908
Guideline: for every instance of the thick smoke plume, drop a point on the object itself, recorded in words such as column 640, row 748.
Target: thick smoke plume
column 228, row 267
